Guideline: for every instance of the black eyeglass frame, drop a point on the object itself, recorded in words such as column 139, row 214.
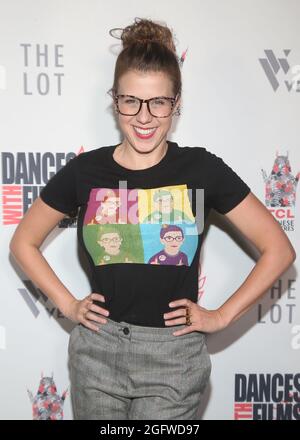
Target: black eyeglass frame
column 173, row 101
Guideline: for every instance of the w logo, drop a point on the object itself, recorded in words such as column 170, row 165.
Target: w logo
column 34, row 297
column 272, row 66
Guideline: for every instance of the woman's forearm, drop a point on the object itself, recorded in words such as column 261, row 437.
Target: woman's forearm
column 266, row 271
column 36, row 267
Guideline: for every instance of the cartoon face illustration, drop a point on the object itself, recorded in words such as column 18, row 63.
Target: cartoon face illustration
column 164, row 209
column 109, row 206
column 164, row 201
column 172, row 239
column 120, row 226
column 111, row 242
column 47, row 404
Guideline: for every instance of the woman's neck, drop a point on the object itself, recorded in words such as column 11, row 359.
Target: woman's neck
column 128, row 157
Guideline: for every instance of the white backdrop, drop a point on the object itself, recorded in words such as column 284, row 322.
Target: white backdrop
column 241, row 100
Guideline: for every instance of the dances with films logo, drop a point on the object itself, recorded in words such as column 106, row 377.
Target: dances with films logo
column 267, row 397
column 24, row 174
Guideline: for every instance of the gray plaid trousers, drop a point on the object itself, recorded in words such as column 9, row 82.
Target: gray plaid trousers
column 131, row 372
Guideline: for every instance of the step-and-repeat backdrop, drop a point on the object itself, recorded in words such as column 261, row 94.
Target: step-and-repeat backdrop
column 241, row 100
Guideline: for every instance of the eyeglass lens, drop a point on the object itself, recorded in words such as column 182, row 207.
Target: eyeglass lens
column 159, row 107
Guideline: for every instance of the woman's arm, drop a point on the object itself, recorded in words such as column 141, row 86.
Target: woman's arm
column 254, row 220
column 30, row 233
column 36, row 224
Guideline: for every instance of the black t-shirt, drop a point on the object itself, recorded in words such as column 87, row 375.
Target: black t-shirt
column 141, row 230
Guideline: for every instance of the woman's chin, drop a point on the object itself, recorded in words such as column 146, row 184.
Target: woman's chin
column 143, row 146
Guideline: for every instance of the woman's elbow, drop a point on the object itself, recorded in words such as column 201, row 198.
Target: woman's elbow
column 13, row 245
column 16, row 244
column 286, row 250
column 282, row 253
column 288, row 254
column 294, row 255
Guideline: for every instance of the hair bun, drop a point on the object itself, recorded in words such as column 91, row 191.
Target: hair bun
column 145, row 31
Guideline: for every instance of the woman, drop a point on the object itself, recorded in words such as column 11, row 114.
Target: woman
column 139, row 349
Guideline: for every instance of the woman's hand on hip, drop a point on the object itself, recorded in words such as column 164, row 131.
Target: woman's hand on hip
column 202, row 320
column 81, row 311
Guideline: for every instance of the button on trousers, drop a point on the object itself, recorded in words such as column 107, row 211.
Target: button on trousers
column 131, row 372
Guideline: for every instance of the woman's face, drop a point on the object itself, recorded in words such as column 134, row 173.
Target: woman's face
column 145, row 85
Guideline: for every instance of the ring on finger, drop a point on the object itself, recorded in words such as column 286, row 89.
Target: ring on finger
column 188, row 316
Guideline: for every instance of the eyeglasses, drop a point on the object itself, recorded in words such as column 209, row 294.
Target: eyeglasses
column 109, row 240
column 159, row 107
column 112, row 203
column 170, row 238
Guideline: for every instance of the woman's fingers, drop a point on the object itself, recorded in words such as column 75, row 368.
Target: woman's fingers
column 94, row 307
column 87, row 308
column 99, row 310
column 97, row 296
column 94, row 317
column 175, row 313
column 89, row 324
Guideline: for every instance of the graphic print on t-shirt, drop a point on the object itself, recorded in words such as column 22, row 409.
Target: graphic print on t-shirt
column 151, row 226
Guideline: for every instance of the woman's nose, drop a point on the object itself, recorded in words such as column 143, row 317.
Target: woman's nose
column 144, row 116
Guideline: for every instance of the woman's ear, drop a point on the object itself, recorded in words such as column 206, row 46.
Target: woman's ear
column 114, row 103
column 177, row 106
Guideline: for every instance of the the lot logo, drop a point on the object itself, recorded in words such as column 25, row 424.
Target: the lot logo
column 273, row 66
column 280, row 305
column 39, row 60
column 267, row 397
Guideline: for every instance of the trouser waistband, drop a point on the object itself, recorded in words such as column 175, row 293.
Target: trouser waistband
column 147, row 333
